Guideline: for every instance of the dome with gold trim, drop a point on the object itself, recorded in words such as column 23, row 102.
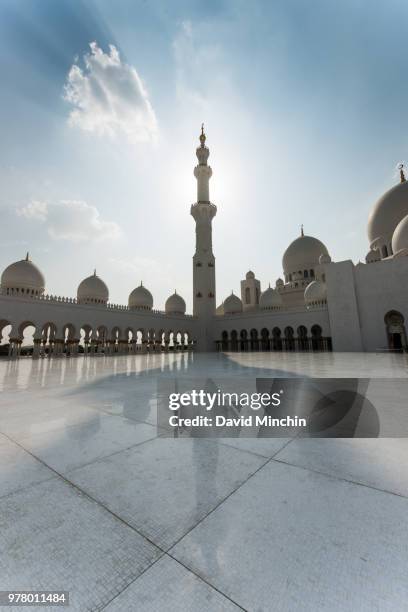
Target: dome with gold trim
column 92, row 290
column 175, row 304
column 303, row 254
column 23, row 277
column 140, row 299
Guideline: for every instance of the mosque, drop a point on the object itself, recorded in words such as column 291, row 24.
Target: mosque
column 317, row 304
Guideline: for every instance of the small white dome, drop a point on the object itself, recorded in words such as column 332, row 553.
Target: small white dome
column 220, row 309
column 249, row 275
column 270, row 299
column 232, row 304
column 372, row 256
column 23, row 276
column 175, row 304
column 390, row 209
column 303, row 254
column 400, row 236
column 324, row 259
column 140, row 299
column 92, row 290
column 315, row 292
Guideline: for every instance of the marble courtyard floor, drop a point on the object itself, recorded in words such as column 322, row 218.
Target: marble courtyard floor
column 93, row 502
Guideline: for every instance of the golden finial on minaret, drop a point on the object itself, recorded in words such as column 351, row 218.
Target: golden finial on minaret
column 402, row 173
column 202, row 135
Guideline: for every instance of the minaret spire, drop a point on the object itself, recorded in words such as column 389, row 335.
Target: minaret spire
column 402, row 173
column 203, row 212
column 202, row 135
column 203, row 171
column 301, row 231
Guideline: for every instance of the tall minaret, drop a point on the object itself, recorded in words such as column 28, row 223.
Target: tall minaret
column 203, row 261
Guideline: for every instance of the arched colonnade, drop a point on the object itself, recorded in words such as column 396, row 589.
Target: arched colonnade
column 50, row 339
column 276, row 339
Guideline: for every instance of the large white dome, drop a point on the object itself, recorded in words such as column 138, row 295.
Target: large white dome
column 23, row 276
column 390, row 209
column 270, row 299
column 92, row 290
column 400, row 237
column 175, row 304
column 140, row 299
column 315, row 292
column 303, row 254
column 232, row 304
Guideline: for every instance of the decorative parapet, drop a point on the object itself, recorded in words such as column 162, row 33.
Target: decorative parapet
column 282, row 310
column 57, row 299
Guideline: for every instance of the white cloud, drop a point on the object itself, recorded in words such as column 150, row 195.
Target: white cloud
column 34, row 210
column 108, row 97
column 72, row 220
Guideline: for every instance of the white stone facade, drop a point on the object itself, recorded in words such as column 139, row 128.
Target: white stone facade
column 320, row 304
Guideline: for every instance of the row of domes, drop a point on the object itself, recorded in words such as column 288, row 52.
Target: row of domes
column 271, row 299
column 387, row 233
column 23, row 277
column 94, row 290
column 304, row 255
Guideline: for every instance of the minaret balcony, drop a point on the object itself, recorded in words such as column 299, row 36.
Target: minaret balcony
column 203, row 211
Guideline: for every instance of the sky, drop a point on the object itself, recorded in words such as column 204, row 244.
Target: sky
column 304, row 105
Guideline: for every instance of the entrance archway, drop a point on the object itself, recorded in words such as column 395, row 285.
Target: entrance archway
column 303, row 341
column 289, row 339
column 396, row 332
column 244, row 340
column 276, row 339
column 265, row 339
column 317, row 340
column 254, row 340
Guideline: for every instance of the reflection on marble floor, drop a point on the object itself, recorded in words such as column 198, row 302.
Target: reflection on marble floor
column 93, row 502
